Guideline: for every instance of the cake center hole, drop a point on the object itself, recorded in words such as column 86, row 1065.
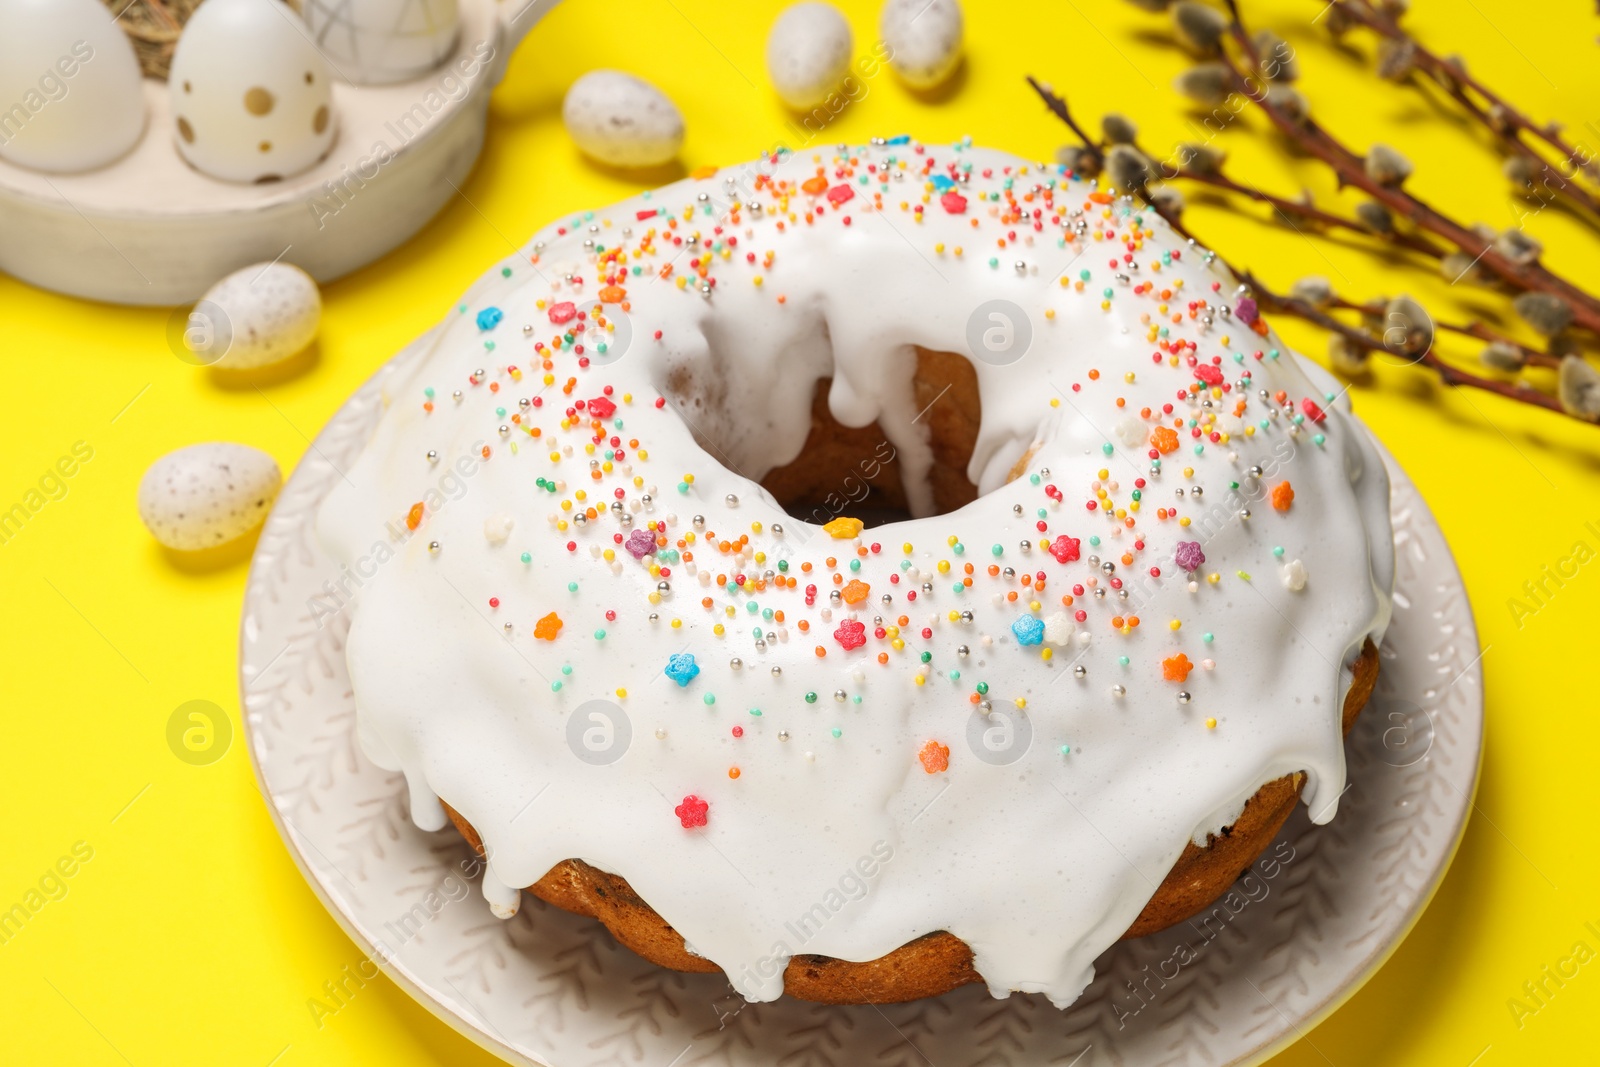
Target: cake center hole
column 858, row 472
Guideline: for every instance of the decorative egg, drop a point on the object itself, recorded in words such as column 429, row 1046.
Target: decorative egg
column 622, row 120
column 374, row 42
column 70, row 84
column 924, row 39
column 206, row 495
column 808, row 54
column 252, row 98
column 257, row 316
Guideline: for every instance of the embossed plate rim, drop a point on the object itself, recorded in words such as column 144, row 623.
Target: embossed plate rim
column 1345, row 972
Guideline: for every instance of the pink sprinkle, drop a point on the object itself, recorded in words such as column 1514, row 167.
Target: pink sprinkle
column 692, row 812
column 1313, row 412
column 602, row 408
column 851, row 634
column 563, row 312
column 1064, row 548
column 954, row 203
column 839, row 194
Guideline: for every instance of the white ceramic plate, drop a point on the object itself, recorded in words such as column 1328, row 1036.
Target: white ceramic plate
column 1288, row 946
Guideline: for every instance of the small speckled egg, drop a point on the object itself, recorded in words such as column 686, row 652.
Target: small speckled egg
column 622, row 120
column 808, row 54
column 70, row 86
column 252, row 98
column 206, row 495
column 924, row 39
column 255, row 317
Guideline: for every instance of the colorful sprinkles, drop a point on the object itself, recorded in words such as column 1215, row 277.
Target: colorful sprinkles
column 1094, row 546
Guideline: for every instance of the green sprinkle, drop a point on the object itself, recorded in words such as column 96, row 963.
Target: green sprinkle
column 1243, row 575
column 998, row 550
column 599, row 635
column 1277, row 550
column 756, row 712
column 572, row 587
column 1066, row 750
column 1207, row 638
column 983, row 688
column 1123, row 660
column 555, row 686
column 926, row 656
column 955, row 676
column 811, row 698
column 710, row 698
column 836, row 732
column 527, row 557
column 566, row 668
column 855, row 564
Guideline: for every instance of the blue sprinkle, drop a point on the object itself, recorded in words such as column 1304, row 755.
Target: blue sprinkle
column 903, row 138
column 489, row 318
column 1028, row 630
column 681, row 668
column 942, row 183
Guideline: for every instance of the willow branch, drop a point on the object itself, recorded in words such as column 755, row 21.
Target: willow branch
column 1500, row 117
column 1448, row 373
column 1350, row 169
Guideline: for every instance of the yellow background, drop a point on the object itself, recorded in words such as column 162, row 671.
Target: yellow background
column 191, row 937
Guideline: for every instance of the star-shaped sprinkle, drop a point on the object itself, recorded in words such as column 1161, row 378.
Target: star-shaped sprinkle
column 692, row 812
column 934, row 757
column 855, row 591
column 851, row 634
column 1189, row 555
column 1176, row 668
column 844, row 528
column 1028, row 630
column 547, row 628
column 1064, row 548
column 682, row 668
column 640, row 544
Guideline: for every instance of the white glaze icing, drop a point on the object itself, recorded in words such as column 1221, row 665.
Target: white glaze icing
column 845, row 845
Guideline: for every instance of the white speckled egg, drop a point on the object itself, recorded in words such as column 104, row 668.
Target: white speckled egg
column 255, row 317
column 252, row 98
column 376, row 42
column 924, row 39
column 622, row 120
column 206, row 495
column 808, row 54
column 71, row 95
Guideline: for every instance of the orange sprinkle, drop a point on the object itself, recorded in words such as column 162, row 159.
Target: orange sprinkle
column 856, row 591
column 1282, row 496
column 547, row 628
column 1176, row 668
column 414, row 516
column 934, row 757
column 1164, row 439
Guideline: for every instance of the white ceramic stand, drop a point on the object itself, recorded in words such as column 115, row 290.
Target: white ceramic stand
column 149, row 229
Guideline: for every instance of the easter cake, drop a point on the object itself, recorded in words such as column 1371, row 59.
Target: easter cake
column 864, row 572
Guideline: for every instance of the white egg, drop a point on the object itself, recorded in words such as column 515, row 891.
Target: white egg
column 622, row 120
column 375, row 42
column 924, row 39
column 252, row 98
column 255, row 317
column 206, row 495
column 808, row 54
column 70, row 88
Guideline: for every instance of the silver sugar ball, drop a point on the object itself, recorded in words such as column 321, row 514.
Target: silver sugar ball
column 1183, row 696
column 1080, row 671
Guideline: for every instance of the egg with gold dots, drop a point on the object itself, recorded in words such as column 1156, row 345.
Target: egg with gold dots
column 252, row 98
